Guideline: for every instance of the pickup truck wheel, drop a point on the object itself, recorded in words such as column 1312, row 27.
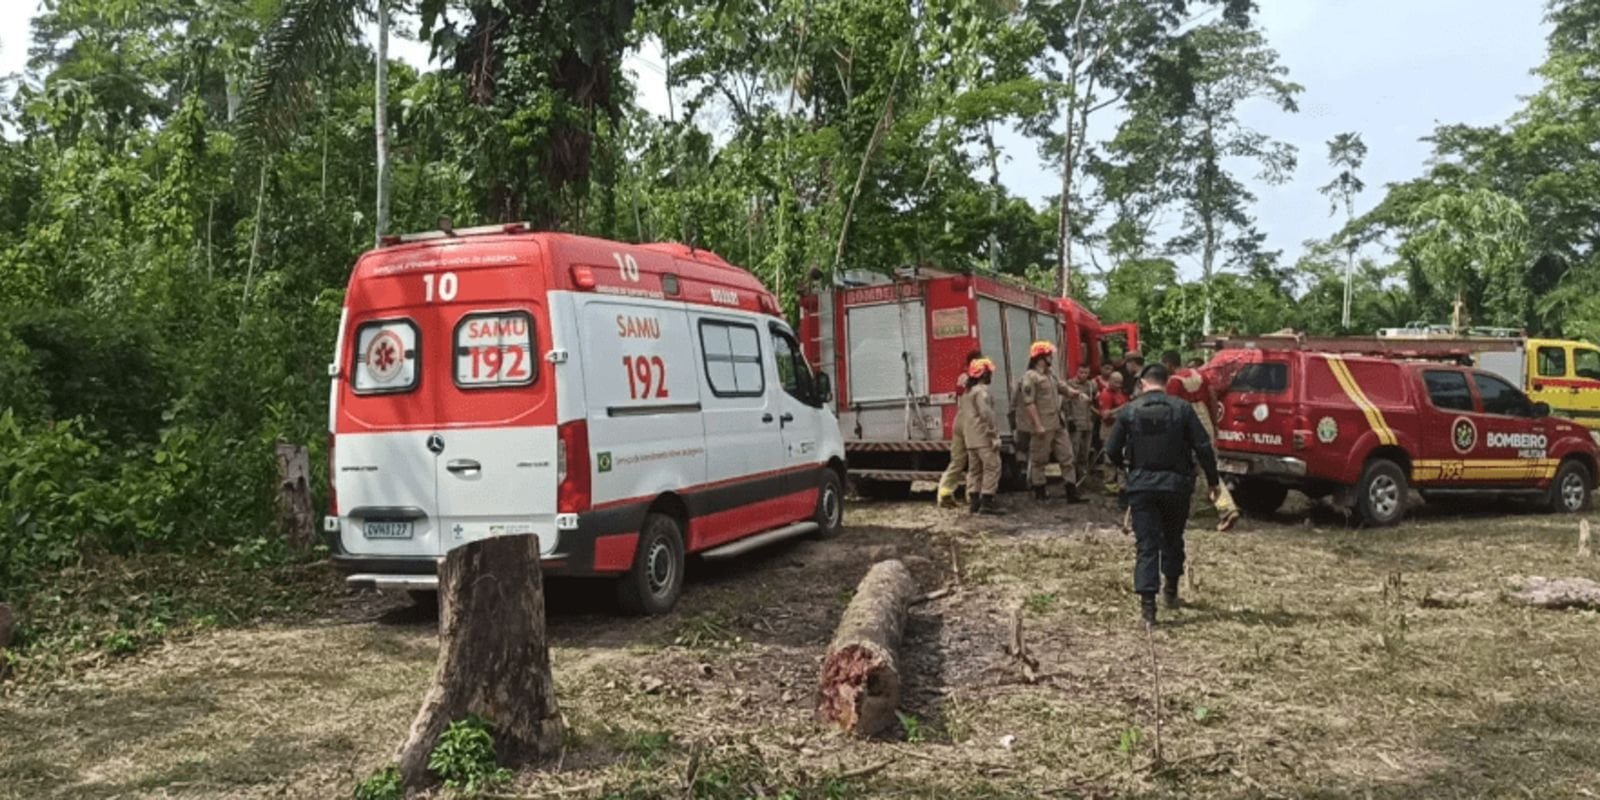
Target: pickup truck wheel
column 1260, row 498
column 1569, row 492
column 652, row 586
column 830, row 506
column 1381, row 494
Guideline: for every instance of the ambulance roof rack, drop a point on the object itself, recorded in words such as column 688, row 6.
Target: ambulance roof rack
column 1382, row 346
column 446, row 232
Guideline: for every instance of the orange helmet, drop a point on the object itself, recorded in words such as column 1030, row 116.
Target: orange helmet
column 979, row 367
column 1041, row 349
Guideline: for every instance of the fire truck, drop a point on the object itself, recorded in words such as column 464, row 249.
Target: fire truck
column 1561, row 372
column 892, row 346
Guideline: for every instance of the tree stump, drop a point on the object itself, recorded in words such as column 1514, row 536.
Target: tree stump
column 1555, row 593
column 860, row 684
column 493, row 659
column 294, row 495
column 8, row 623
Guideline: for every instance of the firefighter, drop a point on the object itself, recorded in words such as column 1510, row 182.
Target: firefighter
column 1160, row 440
column 957, row 471
column 1191, row 386
column 1081, row 419
column 1111, row 400
column 1041, row 399
column 982, row 436
column 1017, row 416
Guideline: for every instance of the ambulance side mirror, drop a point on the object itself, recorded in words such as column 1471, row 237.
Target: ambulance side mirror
column 1541, row 410
column 823, row 387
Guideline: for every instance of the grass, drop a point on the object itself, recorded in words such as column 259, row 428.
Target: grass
column 1304, row 666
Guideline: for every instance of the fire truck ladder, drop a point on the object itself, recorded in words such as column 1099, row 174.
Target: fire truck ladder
column 916, row 426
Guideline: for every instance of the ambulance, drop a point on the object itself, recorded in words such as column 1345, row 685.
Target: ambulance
column 894, row 344
column 629, row 405
column 1364, row 426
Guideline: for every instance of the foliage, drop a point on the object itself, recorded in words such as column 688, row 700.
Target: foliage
column 381, row 785
column 1474, row 244
column 464, row 757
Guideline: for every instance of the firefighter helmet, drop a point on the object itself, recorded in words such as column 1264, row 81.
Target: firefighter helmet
column 1041, row 349
column 979, row 368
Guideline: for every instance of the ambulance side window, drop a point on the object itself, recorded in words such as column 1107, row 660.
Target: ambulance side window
column 1448, row 390
column 792, row 370
column 1501, row 398
column 732, row 358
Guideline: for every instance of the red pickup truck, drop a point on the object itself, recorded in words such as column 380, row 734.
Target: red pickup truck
column 1366, row 430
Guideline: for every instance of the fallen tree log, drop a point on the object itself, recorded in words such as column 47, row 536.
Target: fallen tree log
column 1555, row 593
column 493, row 658
column 859, row 688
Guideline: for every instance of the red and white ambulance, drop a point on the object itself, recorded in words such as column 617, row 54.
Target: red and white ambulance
column 627, row 404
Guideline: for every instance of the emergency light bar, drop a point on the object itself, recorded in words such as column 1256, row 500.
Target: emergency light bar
column 481, row 230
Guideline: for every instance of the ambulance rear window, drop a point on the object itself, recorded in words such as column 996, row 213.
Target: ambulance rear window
column 386, row 357
column 1263, row 377
column 495, row 349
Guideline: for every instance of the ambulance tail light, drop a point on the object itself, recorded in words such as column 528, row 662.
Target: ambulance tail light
column 333, row 479
column 575, row 491
column 583, row 277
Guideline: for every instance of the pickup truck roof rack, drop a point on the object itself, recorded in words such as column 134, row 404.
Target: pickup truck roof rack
column 1381, row 346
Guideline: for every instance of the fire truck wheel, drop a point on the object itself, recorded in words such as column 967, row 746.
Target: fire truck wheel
column 1569, row 492
column 830, row 506
column 1258, row 497
column 1381, row 495
column 653, row 585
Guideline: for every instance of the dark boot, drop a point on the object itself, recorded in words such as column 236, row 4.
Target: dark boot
column 974, row 502
column 1073, row 495
column 988, row 507
column 1038, row 492
column 1147, row 609
column 1169, row 595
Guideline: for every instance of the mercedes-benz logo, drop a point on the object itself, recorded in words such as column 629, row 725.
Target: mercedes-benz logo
column 435, row 443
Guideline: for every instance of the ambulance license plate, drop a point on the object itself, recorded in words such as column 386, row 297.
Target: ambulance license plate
column 374, row 529
column 1233, row 467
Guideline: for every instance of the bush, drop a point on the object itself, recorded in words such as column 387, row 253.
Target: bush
column 464, row 757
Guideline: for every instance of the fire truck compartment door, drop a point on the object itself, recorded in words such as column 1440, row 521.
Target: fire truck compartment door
column 886, row 341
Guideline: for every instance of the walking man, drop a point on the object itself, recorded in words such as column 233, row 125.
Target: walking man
column 1191, row 386
column 956, row 472
column 1042, row 394
column 1160, row 440
column 982, row 436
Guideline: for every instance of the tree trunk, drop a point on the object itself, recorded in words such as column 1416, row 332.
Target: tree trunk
column 493, row 659
column 294, row 495
column 8, row 621
column 1556, row 593
column 859, row 689
column 380, row 121
column 1064, row 212
column 994, row 196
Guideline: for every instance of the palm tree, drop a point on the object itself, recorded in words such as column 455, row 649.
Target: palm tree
column 307, row 36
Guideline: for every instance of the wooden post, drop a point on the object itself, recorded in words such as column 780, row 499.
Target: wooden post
column 493, row 658
column 860, row 685
column 294, row 495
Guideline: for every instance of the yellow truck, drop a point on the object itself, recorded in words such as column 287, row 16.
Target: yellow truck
column 1561, row 372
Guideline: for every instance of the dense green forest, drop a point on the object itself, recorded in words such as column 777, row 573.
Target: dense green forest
column 184, row 185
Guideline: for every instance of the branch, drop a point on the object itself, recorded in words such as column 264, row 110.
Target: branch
column 306, row 37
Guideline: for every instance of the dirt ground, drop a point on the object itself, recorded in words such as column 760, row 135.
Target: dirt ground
column 1308, row 663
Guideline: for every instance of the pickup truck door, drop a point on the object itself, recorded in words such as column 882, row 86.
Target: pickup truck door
column 1515, row 443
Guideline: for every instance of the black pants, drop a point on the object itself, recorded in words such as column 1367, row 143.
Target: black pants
column 1158, row 522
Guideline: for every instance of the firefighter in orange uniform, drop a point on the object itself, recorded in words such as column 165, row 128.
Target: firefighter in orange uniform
column 981, row 433
column 957, row 471
column 1042, row 397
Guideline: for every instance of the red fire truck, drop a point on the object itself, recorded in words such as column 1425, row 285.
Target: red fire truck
column 893, row 345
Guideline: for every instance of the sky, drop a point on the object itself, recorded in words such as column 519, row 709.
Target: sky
column 1389, row 69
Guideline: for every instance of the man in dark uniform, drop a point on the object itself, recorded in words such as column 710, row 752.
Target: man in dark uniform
column 1159, row 439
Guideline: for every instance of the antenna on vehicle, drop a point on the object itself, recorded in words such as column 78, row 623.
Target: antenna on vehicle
column 446, row 226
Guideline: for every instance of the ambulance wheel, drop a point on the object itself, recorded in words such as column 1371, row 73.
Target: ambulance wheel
column 1259, row 497
column 1569, row 492
column 653, row 585
column 830, row 506
column 1381, row 495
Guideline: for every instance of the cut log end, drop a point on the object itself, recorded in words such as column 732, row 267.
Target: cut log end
column 859, row 688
